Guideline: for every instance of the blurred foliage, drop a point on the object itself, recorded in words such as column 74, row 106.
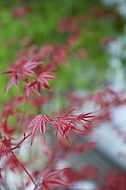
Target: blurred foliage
column 42, row 24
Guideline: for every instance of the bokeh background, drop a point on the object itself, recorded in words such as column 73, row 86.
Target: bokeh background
column 95, row 33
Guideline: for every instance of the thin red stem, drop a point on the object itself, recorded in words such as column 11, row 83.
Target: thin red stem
column 25, row 169
column 18, row 145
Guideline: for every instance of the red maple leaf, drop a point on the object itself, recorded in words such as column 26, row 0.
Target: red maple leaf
column 43, row 79
column 32, row 86
column 20, row 69
column 40, row 83
column 67, row 122
column 84, row 117
column 39, row 123
column 53, row 179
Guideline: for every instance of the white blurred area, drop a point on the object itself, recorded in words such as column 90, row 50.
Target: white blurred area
column 112, row 138
column 121, row 5
column 84, row 185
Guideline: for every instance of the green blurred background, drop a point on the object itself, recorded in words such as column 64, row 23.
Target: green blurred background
column 42, row 26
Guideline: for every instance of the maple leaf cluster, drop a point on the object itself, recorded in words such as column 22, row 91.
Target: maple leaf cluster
column 62, row 124
column 34, row 68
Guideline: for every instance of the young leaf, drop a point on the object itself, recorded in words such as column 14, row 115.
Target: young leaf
column 39, row 123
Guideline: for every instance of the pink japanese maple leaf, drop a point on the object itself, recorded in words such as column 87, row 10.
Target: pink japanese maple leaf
column 53, row 179
column 13, row 81
column 32, row 86
column 40, row 83
column 84, row 117
column 43, row 79
column 39, row 123
column 67, row 122
column 21, row 69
